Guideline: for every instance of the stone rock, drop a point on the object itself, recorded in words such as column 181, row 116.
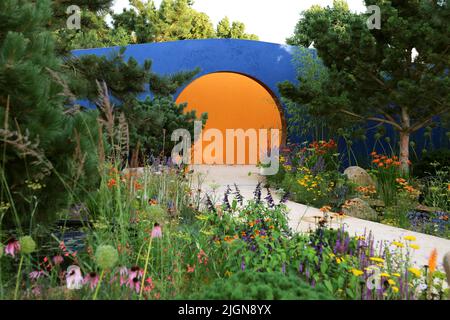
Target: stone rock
column 359, row 176
column 447, row 266
column 376, row 203
column 359, row 208
column 426, row 209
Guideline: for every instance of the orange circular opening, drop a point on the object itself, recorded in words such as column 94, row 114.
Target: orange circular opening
column 232, row 101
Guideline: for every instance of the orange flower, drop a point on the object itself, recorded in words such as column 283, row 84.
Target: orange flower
column 397, row 163
column 376, row 160
column 137, row 185
column 432, row 261
column 112, row 182
column 381, row 164
column 325, row 209
column 389, row 161
column 373, row 154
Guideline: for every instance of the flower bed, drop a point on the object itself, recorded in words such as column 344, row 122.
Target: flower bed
column 152, row 238
column 310, row 174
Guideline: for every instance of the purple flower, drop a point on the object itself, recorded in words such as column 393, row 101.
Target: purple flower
column 243, row 264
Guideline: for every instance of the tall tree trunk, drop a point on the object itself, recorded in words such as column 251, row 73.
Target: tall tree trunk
column 405, row 134
column 404, row 151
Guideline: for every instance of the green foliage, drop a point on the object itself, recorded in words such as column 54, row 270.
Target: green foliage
column 432, row 162
column 94, row 33
column 262, row 286
column 436, row 190
column 167, row 85
column 234, row 31
column 370, row 73
column 150, row 122
column 310, row 174
column 48, row 156
column 173, row 20
column 124, row 79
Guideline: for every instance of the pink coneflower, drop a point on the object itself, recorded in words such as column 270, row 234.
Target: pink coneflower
column 157, row 231
column 91, row 279
column 34, row 275
column 190, row 269
column 12, row 247
column 74, row 279
column 133, row 282
column 57, row 260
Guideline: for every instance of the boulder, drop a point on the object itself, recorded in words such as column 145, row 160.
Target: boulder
column 359, row 208
column 423, row 208
column 376, row 203
column 359, row 176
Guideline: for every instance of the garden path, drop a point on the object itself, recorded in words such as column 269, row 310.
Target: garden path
column 302, row 218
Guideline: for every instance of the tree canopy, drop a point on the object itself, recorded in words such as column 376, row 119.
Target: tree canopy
column 143, row 22
column 371, row 74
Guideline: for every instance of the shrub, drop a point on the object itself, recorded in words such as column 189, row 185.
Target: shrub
column 152, row 122
column 262, row 286
column 432, row 162
column 47, row 153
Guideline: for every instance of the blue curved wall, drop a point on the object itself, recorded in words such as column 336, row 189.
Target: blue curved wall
column 267, row 62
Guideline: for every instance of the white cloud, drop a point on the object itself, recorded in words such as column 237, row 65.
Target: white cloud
column 271, row 20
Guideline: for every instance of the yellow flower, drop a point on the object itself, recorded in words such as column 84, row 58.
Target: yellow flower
column 227, row 273
column 396, row 275
column 357, row 272
column 410, row 238
column 391, row 282
column 415, row 272
column 376, row 259
column 338, row 260
column 395, row 289
column 398, row 244
column 360, row 238
column 414, row 246
column 384, row 274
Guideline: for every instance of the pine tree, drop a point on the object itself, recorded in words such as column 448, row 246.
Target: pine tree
column 371, row 74
column 45, row 154
column 151, row 121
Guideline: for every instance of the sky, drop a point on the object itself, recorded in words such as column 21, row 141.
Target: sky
column 271, row 20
